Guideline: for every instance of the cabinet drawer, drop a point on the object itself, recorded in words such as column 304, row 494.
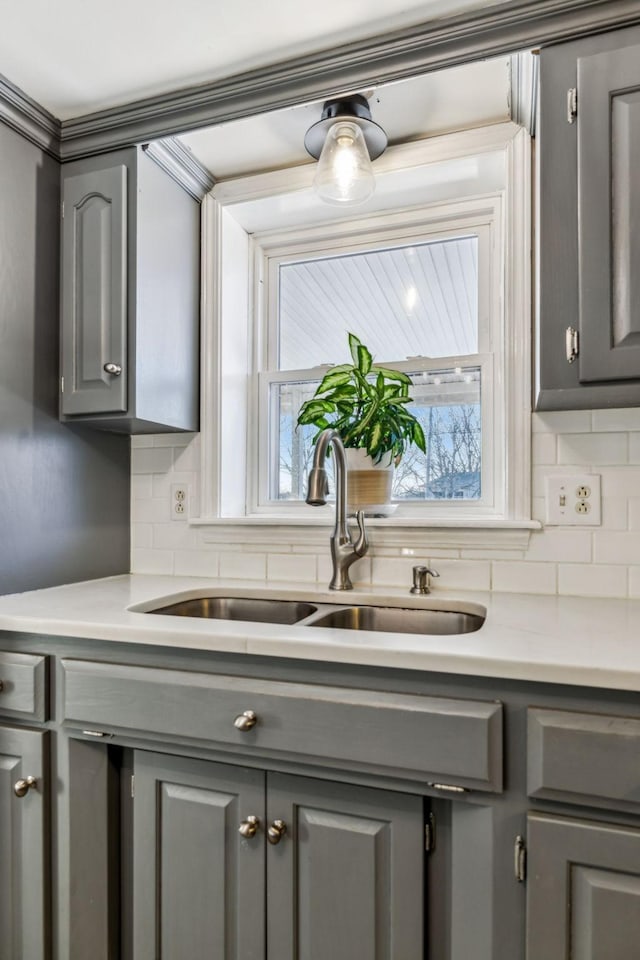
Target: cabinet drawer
column 23, row 691
column 428, row 739
column 583, row 758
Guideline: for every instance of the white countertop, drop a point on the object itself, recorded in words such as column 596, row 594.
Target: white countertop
column 580, row 641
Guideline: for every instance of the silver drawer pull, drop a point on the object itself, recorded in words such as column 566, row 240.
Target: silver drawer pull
column 448, row 788
column 249, row 827
column 246, row 721
column 95, row 733
column 276, row 831
column 21, row 787
column 113, row 368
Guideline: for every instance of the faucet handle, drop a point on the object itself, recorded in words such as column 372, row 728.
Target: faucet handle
column 361, row 545
column 421, row 577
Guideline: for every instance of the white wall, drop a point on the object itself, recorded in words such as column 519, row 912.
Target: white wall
column 594, row 561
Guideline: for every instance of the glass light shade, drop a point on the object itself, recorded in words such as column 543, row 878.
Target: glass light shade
column 344, row 173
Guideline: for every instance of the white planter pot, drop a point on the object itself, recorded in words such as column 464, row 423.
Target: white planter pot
column 369, row 484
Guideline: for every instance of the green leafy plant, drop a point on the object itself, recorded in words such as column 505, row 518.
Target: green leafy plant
column 366, row 404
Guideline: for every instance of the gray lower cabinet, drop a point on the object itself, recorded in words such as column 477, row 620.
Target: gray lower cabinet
column 130, row 296
column 583, row 896
column 589, row 240
column 242, row 864
column 24, row 882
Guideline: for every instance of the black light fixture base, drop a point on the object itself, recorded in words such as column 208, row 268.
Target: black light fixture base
column 354, row 108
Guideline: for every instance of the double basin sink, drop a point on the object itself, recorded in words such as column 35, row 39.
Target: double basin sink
column 419, row 620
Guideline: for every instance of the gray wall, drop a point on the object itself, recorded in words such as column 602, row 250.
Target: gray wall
column 64, row 491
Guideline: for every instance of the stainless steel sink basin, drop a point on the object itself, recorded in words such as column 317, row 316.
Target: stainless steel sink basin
column 256, row 609
column 253, row 609
column 399, row 620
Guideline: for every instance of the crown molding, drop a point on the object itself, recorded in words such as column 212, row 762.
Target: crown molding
column 28, row 118
column 490, row 31
column 181, row 165
column 496, row 30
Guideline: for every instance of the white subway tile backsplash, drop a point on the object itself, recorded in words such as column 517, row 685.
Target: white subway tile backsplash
column 151, row 459
column 591, row 580
column 175, row 535
column 141, row 486
column 288, row 567
column 196, row 563
column 620, row 481
column 142, row 536
column 615, row 513
column 634, row 513
column 634, row 582
column 634, row 448
column 185, row 460
column 154, row 510
column 600, row 561
column 625, row 418
column 395, row 572
column 173, row 439
column 561, row 545
column 562, row 421
column 613, row 547
column 524, row 577
column 462, row 575
column 243, row 566
column 544, row 448
column 152, row 561
column 593, row 448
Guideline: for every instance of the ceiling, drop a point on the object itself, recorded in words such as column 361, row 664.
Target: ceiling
column 476, row 94
column 75, row 57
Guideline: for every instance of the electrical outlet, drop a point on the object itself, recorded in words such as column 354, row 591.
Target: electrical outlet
column 179, row 501
column 573, row 501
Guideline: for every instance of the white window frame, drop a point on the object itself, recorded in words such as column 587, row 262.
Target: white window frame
column 226, row 458
column 481, row 217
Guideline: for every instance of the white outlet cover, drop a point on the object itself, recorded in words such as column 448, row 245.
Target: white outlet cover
column 179, row 502
column 561, row 500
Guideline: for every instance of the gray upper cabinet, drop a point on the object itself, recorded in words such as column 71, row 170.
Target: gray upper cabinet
column 130, row 296
column 589, row 211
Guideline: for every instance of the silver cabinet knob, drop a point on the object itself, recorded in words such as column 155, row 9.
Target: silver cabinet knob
column 276, row 831
column 113, row 368
column 21, row 787
column 249, row 827
column 246, row 721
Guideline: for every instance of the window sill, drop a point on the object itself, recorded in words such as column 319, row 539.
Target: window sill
column 395, row 532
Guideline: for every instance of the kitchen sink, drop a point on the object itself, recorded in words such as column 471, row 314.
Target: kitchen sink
column 417, row 620
column 253, row 609
column 399, row 620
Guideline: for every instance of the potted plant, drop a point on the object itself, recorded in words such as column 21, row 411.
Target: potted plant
column 367, row 405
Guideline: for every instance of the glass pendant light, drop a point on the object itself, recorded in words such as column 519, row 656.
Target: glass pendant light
column 345, row 140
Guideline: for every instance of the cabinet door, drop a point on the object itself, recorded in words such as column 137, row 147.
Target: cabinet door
column 94, row 291
column 346, row 878
column 198, row 887
column 24, row 896
column 588, row 234
column 609, row 214
column 583, row 890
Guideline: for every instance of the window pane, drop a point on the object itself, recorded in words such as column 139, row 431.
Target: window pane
column 293, row 447
column 447, row 403
column 415, row 300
